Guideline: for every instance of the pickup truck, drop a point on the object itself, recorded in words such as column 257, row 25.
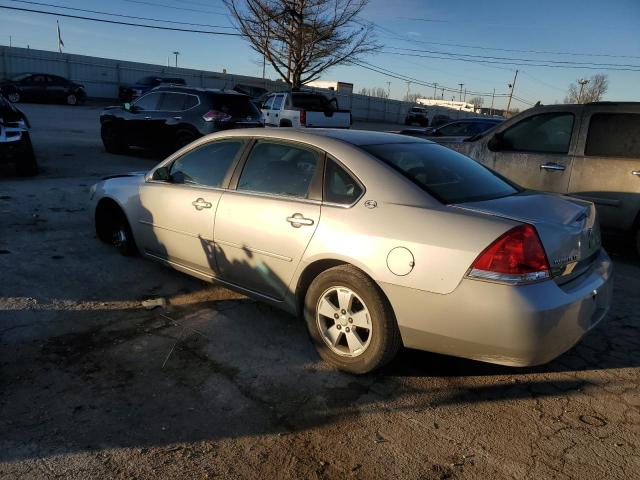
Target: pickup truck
column 304, row 109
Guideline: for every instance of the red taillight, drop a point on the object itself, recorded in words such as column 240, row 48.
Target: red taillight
column 515, row 257
column 303, row 118
column 216, row 116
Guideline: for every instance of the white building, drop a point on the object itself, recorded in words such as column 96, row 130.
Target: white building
column 463, row 106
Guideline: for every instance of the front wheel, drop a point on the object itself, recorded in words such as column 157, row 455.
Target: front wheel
column 112, row 138
column 350, row 321
column 72, row 99
column 13, row 97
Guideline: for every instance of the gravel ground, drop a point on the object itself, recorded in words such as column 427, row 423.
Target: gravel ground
column 92, row 385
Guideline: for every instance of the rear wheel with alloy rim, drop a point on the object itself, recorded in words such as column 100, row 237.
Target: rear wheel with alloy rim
column 112, row 138
column 72, row 99
column 350, row 320
column 14, row 97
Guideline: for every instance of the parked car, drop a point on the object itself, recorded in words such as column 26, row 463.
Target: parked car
column 171, row 117
column 417, row 115
column 42, row 87
column 15, row 141
column 440, row 119
column 455, row 132
column 304, row 109
column 588, row 151
column 377, row 240
column 127, row 93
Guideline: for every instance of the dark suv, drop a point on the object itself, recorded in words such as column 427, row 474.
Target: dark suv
column 417, row 115
column 172, row 117
column 127, row 93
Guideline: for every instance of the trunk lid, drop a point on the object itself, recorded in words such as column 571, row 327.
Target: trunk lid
column 568, row 228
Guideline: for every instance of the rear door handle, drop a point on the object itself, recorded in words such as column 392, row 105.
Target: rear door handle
column 636, row 173
column 297, row 220
column 177, row 118
column 147, row 118
column 553, row 166
column 201, row 203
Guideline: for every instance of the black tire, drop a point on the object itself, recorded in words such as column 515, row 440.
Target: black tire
column 27, row 165
column 285, row 123
column 14, row 97
column 385, row 336
column 184, row 138
column 113, row 228
column 112, row 138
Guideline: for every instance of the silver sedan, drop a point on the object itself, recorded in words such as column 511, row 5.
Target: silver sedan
column 376, row 240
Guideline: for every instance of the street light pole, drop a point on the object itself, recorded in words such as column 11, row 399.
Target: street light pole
column 176, row 54
column 461, row 85
column 582, row 83
column 435, row 86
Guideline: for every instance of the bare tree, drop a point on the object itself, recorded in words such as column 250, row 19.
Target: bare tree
column 477, row 102
column 378, row 92
column 593, row 90
column 413, row 97
column 303, row 38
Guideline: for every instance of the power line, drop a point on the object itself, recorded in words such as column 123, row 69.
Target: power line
column 515, row 50
column 213, row 12
column 585, row 67
column 569, row 62
column 120, row 15
column 102, row 20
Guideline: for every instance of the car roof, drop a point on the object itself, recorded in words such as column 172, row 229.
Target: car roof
column 312, row 135
column 186, row 89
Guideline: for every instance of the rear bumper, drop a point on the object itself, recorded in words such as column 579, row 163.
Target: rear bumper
column 509, row 325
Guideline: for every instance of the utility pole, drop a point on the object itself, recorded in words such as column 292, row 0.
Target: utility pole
column 388, row 89
column 465, row 95
column 492, row 98
column 408, row 89
column 442, row 94
column 176, row 54
column 10, row 45
column 582, row 83
column 513, row 86
column 461, row 85
column 435, row 86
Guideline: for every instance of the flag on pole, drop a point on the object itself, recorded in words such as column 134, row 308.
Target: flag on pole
column 60, row 42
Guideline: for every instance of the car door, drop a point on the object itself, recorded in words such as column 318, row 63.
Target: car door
column 178, row 208
column 264, row 225
column 606, row 168
column 536, row 151
column 139, row 122
column 34, row 87
column 276, row 109
column 56, row 88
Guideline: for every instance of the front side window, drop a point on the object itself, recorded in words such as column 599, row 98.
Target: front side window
column 279, row 169
column 443, row 173
column 149, row 101
column 339, row 186
column 207, row 165
column 544, row 133
column 613, row 135
column 268, row 103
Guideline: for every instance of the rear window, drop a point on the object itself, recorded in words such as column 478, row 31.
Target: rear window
column 312, row 102
column 614, row 135
column 234, row 105
column 448, row 176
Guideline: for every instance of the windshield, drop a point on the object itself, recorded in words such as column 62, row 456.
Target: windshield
column 312, row 102
column 443, row 173
column 148, row 81
column 235, row 105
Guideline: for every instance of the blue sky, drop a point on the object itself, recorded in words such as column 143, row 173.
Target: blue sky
column 453, row 26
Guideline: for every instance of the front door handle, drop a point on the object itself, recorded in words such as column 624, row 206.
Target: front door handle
column 177, row 118
column 147, row 118
column 636, row 173
column 556, row 167
column 201, row 203
column 297, row 220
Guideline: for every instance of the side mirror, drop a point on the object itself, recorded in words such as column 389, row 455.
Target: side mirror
column 495, row 143
column 161, row 174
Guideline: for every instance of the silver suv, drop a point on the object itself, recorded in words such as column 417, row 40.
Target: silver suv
column 589, row 151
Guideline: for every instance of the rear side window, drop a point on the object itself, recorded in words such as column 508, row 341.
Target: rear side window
column 312, row 102
column 279, row 169
column 206, row 165
column 234, row 105
column 177, row 102
column 277, row 102
column 443, row 173
column 268, row 103
column 453, row 129
column 544, row 133
column 613, row 135
column 339, row 186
